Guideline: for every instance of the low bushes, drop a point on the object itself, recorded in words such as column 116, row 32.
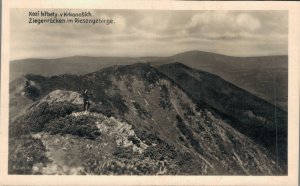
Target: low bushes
column 31, row 91
column 82, row 126
column 55, row 119
column 36, row 119
column 188, row 134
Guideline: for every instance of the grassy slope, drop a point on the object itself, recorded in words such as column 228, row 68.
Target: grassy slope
column 250, row 115
column 170, row 120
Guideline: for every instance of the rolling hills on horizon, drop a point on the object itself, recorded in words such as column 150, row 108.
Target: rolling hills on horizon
column 144, row 120
column 265, row 77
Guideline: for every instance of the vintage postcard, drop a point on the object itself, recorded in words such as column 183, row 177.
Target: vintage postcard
column 150, row 93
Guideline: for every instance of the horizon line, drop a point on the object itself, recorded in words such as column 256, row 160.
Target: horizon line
column 158, row 56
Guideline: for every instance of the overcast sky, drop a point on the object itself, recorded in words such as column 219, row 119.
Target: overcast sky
column 153, row 33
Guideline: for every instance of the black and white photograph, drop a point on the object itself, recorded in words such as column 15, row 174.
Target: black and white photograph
column 148, row 92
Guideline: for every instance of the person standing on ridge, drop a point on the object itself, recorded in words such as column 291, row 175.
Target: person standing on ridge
column 86, row 100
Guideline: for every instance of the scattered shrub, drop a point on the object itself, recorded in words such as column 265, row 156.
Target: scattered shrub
column 188, row 135
column 31, row 91
column 118, row 103
column 82, row 126
column 149, row 75
column 36, row 119
column 161, row 151
column 121, row 152
column 134, row 140
column 103, row 108
column 141, row 111
column 165, row 97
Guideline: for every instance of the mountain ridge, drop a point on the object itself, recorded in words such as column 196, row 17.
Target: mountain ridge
column 182, row 134
column 254, row 74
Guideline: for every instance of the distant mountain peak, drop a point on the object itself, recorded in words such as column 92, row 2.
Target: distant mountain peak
column 197, row 53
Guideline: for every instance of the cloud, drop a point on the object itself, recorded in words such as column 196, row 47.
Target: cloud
column 222, row 25
column 153, row 33
column 248, row 22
